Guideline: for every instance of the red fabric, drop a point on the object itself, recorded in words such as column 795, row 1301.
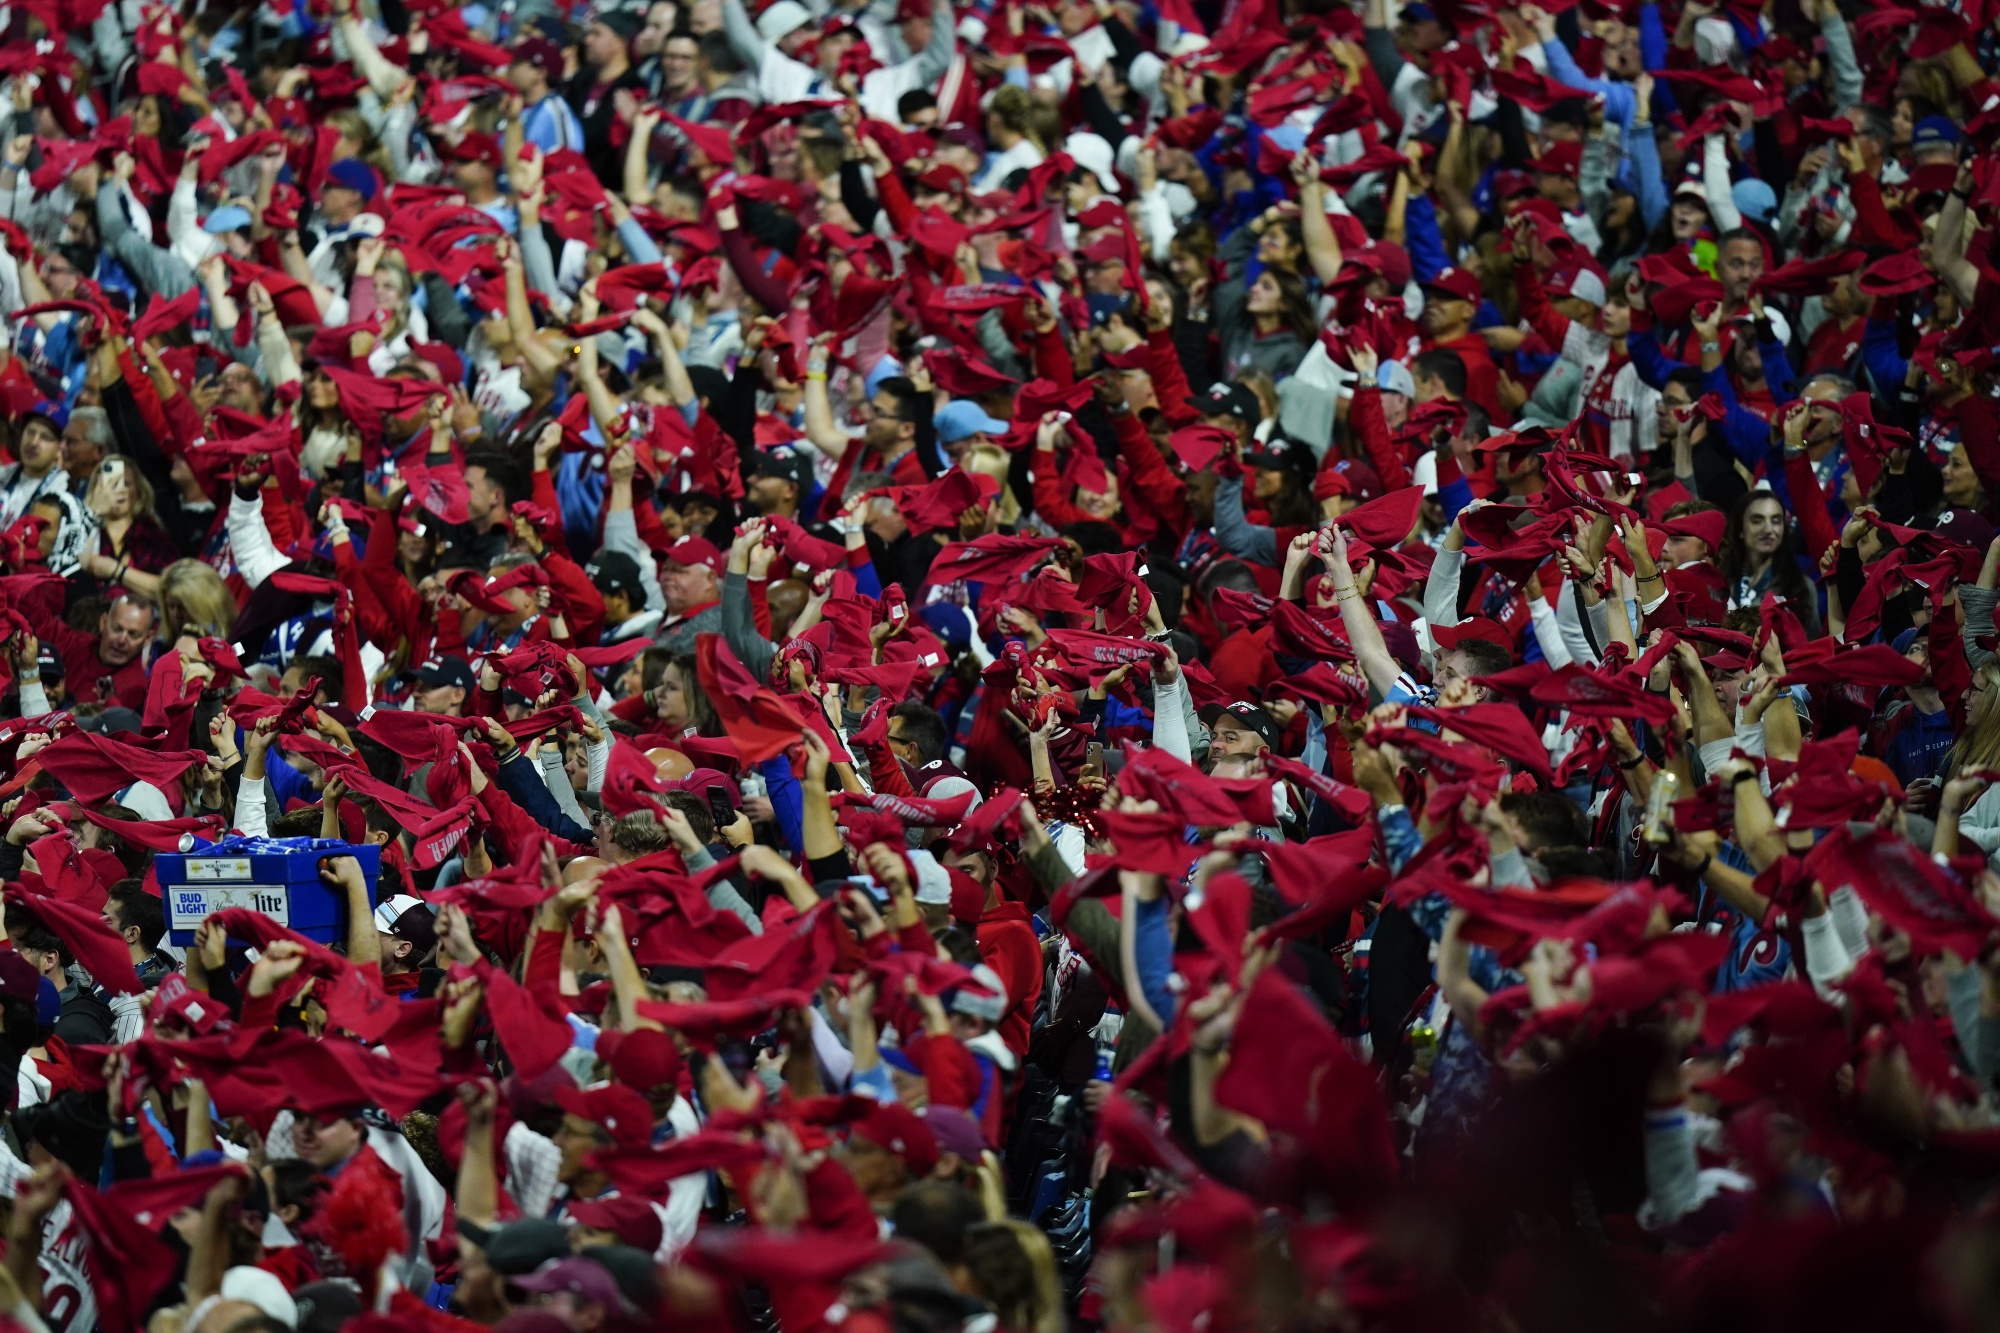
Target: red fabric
column 1008, row 945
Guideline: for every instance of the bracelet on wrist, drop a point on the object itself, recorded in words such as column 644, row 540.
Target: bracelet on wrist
column 1629, row 764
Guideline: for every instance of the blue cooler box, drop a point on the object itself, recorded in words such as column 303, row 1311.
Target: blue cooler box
column 276, row 876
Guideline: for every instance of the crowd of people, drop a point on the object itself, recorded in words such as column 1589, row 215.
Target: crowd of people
column 968, row 665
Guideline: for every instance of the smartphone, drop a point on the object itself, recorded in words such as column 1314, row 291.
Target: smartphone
column 1093, row 757
column 719, row 806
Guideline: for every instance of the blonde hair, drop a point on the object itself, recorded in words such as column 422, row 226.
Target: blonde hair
column 1014, row 1268
column 198, row 593
column 995, row 462
column 1978, row 746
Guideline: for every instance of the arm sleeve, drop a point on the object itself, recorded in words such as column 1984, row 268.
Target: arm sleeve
column 257, row 556
column 1383, row 55
column 1237, row 534
column 1424, row 239
column 1644, row 151
column 739, row 629
column 161, row 272
column 250, row 817
column 1441, row 588
column 523, row 782
column 1847, row 81
column 1619, row 98
column 1170, row 722
column 621, row 533
column 1715, row 182
column 742, row 35
column 1672, row 1169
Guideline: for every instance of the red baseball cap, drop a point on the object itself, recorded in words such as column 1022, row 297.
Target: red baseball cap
column 896, row 1129
column 943, row 177
column 1457, row 284
column 690, row 552
column 1448, row 637
column 642, row 1060
column 626, row 1216
column 1709, row 525
column 1562, row 159
column 618, row 1108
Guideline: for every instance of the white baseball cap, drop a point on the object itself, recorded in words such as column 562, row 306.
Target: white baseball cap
column 782, row 19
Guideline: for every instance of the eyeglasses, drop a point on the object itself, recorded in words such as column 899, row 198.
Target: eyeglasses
column 870, row 412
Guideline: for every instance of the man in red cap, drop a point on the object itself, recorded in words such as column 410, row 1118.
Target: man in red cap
column 887, row 1149
column 1452, row 297
column 607, row 1116
column 647, row 1061
column 691, row 583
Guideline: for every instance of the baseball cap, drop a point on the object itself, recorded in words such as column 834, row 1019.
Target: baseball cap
column 1582, row 283
column 1447, row 637
column 989, row 1004
column 782, row 19
column 626, row 1216
column 693, row 552
column 408, row 918
column 1933, row 132
column 230, row 217
column 1756, row 199
column 18, row 978
column 520, row 1246
column 351, row 173
column 1692, row 189
column 1963, row 525
column 585, row 1279
column 446, row 671
column 1395, row 377
column 1424, row 472
column 254, row 1286
column 1093, row 153
column 933, row 884
column 1562, row 159
column 621, row 21
column 176, row 999
column 325, row 1306
column 615, row 572
column 1363, row 482
column 1224, row 399
column 1249, row 715
column 1279, row 454
column 942, row 177
column 541, row 52
column 962, row 417
column 1106, row 249
column 476, row 147
column 787, row 463
column 618, row 1108
column 642, row 1058
column 1708, row 526
column 1455, row 284
column 896, row 1129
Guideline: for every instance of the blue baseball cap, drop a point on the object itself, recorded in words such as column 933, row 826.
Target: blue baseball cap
column 884, row 368
column 1932, row 131
column 230, row 217
column 960, row 418
column 351, row 173
column 1754, row 199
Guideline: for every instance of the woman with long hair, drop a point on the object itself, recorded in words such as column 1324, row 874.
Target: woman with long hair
column 1012, row 1267
column 327, row 434
column 679, row 702
column 1274, row 329
column 194, row 601
column 381, row 286
column 1760, row 556
column 132, row 545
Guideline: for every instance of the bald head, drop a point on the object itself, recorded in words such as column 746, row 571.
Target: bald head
column 786, row 598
